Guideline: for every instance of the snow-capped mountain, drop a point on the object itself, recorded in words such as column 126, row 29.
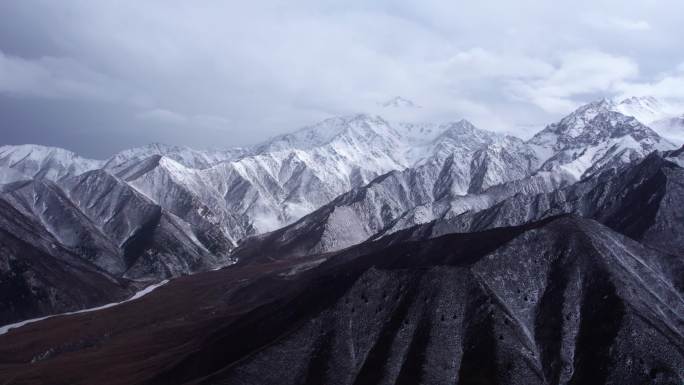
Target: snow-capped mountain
column 592, row 138
column 470, row 170
column 183, row 192
column 399, row 102
column 553, row 260
column 186, row 156
column 152, row 241
column 665, row 118
column 361, row 129
column 45, row 162
column 100, row 217
column 292, row 175
column 158, row 211
column 251, row 191
column 50, row 206
column 465, row 159
column 645, row 109
column 641, row 200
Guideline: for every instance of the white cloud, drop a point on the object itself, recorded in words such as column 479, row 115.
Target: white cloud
column 616, row 23
column 630, row 25
column 577, row 74
column 269, row 66
column 670, row 87
column 482, row 63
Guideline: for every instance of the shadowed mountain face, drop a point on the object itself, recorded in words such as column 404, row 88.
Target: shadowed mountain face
column 563, row 301
column 37, row 276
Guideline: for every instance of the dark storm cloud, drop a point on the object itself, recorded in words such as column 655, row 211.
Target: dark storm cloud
column 100, row 76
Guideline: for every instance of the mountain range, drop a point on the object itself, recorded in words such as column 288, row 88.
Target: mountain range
column 373, row 247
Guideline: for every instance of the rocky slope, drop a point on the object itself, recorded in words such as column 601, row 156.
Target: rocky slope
column 555, row 304
column 562, row 301
column 39, row 276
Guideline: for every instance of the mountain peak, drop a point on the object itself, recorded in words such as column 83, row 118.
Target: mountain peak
column 36, row 151
column 645, row 109
column 464, row 125
column 594, row 122
column 45, row 162
column 579, row 122
column 589, row 138
column 463, row 128
column 603, row 103
column 640, row 100
column 324, row 132
column 399, row 102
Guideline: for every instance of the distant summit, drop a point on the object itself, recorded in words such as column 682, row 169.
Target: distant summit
column 399, row 102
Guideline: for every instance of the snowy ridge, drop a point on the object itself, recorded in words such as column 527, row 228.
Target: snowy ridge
column 251, row 191
column 344, row 129
column 186, row 156
column 45, row 162
column 666, row 119
column 463, row 169
column 644, row 109
column 592, row 138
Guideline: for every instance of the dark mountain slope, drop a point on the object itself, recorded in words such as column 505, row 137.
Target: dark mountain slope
column 38, row 276
column 565, row 301
column 88, row 240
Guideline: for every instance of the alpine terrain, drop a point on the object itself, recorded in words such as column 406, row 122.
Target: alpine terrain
column 357, row 250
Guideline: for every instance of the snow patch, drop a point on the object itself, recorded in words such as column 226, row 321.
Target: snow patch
column 8, row 175
column 302, row 267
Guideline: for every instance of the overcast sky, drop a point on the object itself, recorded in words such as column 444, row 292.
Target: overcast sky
column 99, row 76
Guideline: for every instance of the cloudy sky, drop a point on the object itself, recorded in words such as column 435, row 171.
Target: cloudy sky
column 99, row 76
